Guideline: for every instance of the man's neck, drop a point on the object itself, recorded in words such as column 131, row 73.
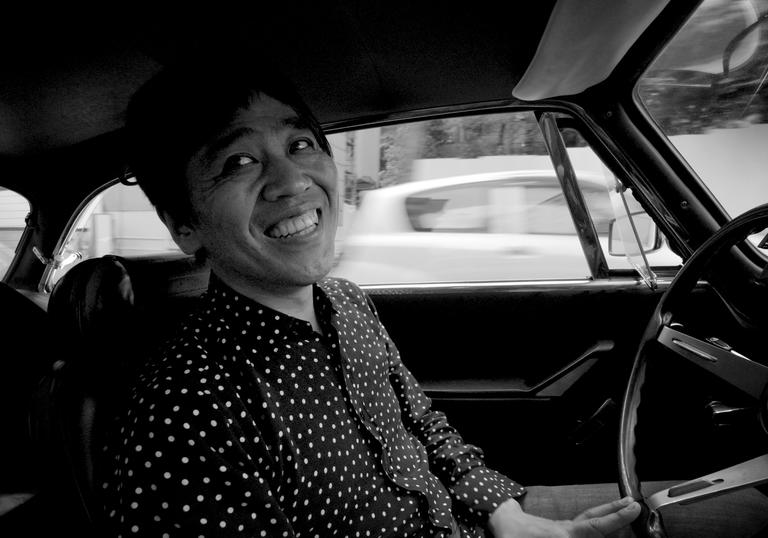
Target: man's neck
column 297, row 302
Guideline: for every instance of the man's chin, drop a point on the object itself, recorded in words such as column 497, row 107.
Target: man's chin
column 308, row 275
column 319, row 274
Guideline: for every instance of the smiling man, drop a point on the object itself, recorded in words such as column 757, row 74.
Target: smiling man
column 281, row 407
column 264, row 206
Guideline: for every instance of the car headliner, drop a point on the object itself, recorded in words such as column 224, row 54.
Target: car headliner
column 68, row 73
column 67, row 76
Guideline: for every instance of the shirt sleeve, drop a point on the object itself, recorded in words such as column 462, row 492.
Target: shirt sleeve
column 458, row 465
column 187, row 464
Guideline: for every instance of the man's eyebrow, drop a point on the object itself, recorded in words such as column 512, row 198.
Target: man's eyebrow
column 296, row 122
column 224, row 142
column 230, row 137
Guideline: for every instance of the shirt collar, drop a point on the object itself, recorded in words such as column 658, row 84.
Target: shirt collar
column 244, row 313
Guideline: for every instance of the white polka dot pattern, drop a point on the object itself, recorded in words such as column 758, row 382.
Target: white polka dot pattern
column 250, row 423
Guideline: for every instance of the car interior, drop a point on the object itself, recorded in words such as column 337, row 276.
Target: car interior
column 546, row 375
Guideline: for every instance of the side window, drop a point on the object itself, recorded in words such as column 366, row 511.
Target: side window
column 548, row 212
column 13, row 213
column 472, row 198
column 466, row 199
column 599, row 204
column 597, row 181
column 119, row 220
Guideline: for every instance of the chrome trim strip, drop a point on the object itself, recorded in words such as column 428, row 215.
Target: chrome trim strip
column 749, row 473
column 696, row 351
column 582, row 220
column 617, row 283
column 43, row 286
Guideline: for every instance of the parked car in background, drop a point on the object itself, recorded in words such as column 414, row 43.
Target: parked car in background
column 479, row 227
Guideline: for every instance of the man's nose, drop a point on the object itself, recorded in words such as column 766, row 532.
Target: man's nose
column 285, row 178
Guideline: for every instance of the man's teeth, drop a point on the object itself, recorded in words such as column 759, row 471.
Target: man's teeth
column 304, row 223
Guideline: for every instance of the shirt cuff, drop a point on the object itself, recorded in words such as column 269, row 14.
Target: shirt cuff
column 482, row 490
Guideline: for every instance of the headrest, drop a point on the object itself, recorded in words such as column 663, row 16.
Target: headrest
column 93, row 298
column 92, row 308
column 114, row 311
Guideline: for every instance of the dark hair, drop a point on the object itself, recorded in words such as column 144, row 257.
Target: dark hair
column 178, row 110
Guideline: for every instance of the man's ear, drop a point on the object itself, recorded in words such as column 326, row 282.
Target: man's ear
column 183, row 234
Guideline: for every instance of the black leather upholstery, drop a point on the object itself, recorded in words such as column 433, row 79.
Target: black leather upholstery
column 25, row 355
column 109, row 313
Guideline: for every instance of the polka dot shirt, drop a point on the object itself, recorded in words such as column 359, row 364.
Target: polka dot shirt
column 249, row 423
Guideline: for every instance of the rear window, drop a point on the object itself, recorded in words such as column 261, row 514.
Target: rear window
column 121, row 221
column 14, row 209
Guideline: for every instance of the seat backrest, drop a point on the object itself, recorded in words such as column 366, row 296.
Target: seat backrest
column 25, row 355
column 109, row 313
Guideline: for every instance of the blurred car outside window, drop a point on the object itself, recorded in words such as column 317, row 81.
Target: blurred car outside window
column 450, row 209
column 466, row 199
column 14, row 209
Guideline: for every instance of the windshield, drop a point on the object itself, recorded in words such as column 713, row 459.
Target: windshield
column 709, row 94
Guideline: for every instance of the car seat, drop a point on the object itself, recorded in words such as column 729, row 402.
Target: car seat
column 109, row 313
column 26, row 355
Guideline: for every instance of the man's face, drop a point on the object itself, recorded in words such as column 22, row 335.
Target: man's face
column 265, row 200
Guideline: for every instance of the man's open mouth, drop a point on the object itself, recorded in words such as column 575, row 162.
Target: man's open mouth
column 294, row 226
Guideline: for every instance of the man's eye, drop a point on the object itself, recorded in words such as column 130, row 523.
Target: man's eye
column 236, row 162
column 302, row 144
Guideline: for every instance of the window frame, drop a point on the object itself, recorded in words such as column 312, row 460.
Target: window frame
column 53, row 264
column 575, row 119
column 582, row 219
column 614, row 159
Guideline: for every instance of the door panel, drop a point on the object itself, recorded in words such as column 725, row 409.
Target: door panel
column 483, row 354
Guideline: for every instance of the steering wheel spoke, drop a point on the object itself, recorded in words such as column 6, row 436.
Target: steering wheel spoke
column 733, row 367
column 710, row 354
column 747, row 474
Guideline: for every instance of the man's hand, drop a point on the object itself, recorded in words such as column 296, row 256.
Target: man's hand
column 509, row 520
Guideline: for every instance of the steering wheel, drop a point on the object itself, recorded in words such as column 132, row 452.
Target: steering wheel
column 712, row 355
